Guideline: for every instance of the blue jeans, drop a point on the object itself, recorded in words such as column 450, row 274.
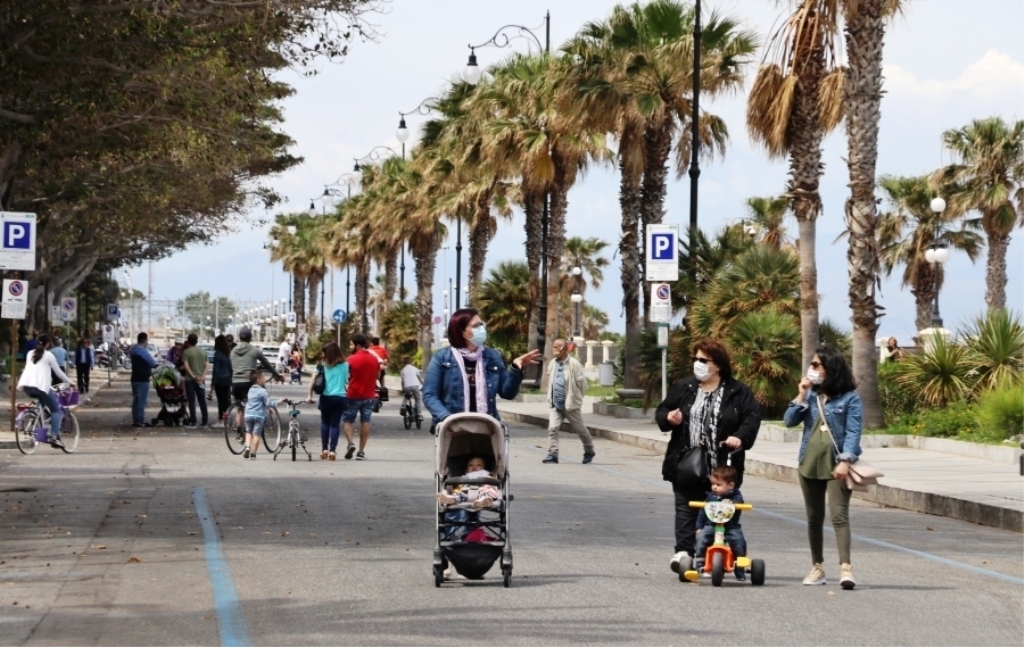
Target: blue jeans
column 331, row 409
column 140, row 394
column 48, row 401
column 733, row 536
column 364, row 408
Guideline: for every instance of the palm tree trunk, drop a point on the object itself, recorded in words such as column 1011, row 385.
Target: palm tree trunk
column 924, row 294
column 299, row 297
column 426, row 265
column 652, row 193
column 313, row 320
column 362, row 273
column 481, row 230
column 862, row 96
column 555, row 247
column 629, row 252
column 390, row 280
column 810, row 336
column 533, row 207
column 995, row 269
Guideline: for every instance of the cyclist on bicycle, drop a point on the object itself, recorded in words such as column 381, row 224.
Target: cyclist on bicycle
column 412, row 385
column 246, row 358
column 37, row 382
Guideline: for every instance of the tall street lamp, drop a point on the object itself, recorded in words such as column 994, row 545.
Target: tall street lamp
column 402, row 135
column 577, row 298
column 471, row 74
column 694, row 127
column 349, row 180
column 937, row 256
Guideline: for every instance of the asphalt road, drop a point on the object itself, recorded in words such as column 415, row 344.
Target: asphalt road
column 108, row 547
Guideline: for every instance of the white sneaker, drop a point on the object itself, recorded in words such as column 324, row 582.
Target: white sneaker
column 245, row 452
column 816, row 576
column 846, row 577
column 680, row 562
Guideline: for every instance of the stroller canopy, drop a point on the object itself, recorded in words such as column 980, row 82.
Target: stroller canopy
column 477, row 434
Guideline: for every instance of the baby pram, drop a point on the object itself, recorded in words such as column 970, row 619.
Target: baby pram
column 460, row 437
column 172, row 405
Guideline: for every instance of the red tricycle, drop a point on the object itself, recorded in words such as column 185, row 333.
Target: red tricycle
column 719, row 559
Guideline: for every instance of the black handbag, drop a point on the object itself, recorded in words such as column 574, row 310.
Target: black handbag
column 320, row 381
column 692, row 468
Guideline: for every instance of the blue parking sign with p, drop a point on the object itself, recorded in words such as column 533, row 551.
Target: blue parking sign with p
column 17, row 235
column 663, row 246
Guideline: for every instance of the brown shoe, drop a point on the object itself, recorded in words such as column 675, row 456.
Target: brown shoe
column 332, row 456
column 323, row 455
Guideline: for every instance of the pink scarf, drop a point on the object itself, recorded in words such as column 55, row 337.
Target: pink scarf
column 481, row 382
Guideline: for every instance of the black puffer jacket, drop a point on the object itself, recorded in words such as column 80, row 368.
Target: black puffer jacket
column 739, row 416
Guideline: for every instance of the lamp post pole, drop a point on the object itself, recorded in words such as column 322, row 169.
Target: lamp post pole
column 937, row 255
column 694, row 129
column 471, row 74
column 402, row 134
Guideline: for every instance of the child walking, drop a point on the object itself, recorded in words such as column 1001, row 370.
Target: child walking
column 256, row 413
column 723, row 488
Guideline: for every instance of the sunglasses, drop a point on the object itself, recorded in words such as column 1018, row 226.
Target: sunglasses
column 702, row 360
column 816, row 364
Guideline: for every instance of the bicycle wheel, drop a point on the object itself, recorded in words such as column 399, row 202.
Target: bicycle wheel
column 233, row 434
column 407, row 415
column 293, row 437
column 272, row 430
column 24, row 434
column 69, row 432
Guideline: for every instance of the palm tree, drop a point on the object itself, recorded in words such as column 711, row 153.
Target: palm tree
column 792, row 105
column 766, row 218
column 634, row 76
column 584, row 253
column 504, row 301
column 594, row 322
column 862, row 97
column 907, row 231
column 989, row 178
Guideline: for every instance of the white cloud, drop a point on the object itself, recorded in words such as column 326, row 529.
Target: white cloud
column 994, row 77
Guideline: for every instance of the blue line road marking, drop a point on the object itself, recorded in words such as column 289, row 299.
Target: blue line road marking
column 233, row 632
column 803, row 522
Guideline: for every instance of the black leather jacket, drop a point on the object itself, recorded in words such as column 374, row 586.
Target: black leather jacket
column 739, row 416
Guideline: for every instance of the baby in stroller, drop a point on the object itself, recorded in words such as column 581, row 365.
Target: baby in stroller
column 480, row 497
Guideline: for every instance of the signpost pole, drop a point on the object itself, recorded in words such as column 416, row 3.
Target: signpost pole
column 14, row 370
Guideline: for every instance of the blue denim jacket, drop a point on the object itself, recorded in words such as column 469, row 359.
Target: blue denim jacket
column 442, row 386
column 844, row 415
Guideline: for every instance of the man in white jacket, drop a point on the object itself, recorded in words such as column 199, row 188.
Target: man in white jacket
column 567, row 385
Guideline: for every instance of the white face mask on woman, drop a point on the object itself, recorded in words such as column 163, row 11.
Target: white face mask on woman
column 813, row 376
column 700, row 371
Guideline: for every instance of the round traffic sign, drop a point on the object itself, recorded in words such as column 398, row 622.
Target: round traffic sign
column 339, row 316
column 68, row 304
column 16, row 288
column 663, row 292
column 437, row 320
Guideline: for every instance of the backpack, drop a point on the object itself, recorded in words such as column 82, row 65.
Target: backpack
column 320, row 381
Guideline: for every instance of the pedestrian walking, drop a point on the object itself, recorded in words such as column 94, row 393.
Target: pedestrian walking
column 711, row 415
column 381, row 354
column 361, row 394
column 412, row 386
column 37, row 383
column 333, row 401
column 468, row 376
column 284, row 353
column 256, row 405
column 246, row 358
column 567, row 385
column 85, row 361
column 142, row 370
column 193, row 369
column 60, row 354
column 221, row 378
column 832, row 414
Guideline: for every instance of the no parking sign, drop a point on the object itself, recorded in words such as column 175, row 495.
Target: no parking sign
column 15, row 298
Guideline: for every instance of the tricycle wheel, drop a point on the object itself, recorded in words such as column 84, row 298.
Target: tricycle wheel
column 757, row 572
column 717, row 568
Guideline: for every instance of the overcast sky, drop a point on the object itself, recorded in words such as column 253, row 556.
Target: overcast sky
column 946, row 62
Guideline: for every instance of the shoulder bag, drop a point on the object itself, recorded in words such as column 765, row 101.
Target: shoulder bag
column 691, row 468
column 320, row 381
column 860, row 474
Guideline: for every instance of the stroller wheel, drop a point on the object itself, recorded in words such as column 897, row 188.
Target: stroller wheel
column 507, row 577
column 438, row 576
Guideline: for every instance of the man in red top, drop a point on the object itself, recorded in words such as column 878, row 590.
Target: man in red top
column 382, row 355
column 363, row 367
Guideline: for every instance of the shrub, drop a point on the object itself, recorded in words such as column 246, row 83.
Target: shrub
column 939, row 375
column 959, row 419
column 897, row 399
column 1001, row 410
column 996, row 345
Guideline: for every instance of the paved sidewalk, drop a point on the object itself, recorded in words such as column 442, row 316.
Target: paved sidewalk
column 972, row 489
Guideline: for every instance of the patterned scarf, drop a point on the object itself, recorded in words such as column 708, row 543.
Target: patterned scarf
column 704, row 415
column 462, row 354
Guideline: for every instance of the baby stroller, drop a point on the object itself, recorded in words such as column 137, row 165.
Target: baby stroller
column 472, row 545
column 172, row 405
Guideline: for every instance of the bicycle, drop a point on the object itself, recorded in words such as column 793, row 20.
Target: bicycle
column 234, row 434
column 408, row 412
column 294, row 436
column 32, row 424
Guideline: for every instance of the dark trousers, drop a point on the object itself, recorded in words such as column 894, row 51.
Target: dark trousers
column 223, row 393
column 331, row 408
column 82, row 373
column 195, row 392
column 686, row 517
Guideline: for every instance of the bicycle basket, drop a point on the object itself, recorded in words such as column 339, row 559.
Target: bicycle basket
column 40, row 434
column 68, row 398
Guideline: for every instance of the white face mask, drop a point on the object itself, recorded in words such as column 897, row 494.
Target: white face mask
column 814, row 376
column 700, row 371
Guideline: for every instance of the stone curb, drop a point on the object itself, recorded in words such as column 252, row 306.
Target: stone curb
column 926, row 502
